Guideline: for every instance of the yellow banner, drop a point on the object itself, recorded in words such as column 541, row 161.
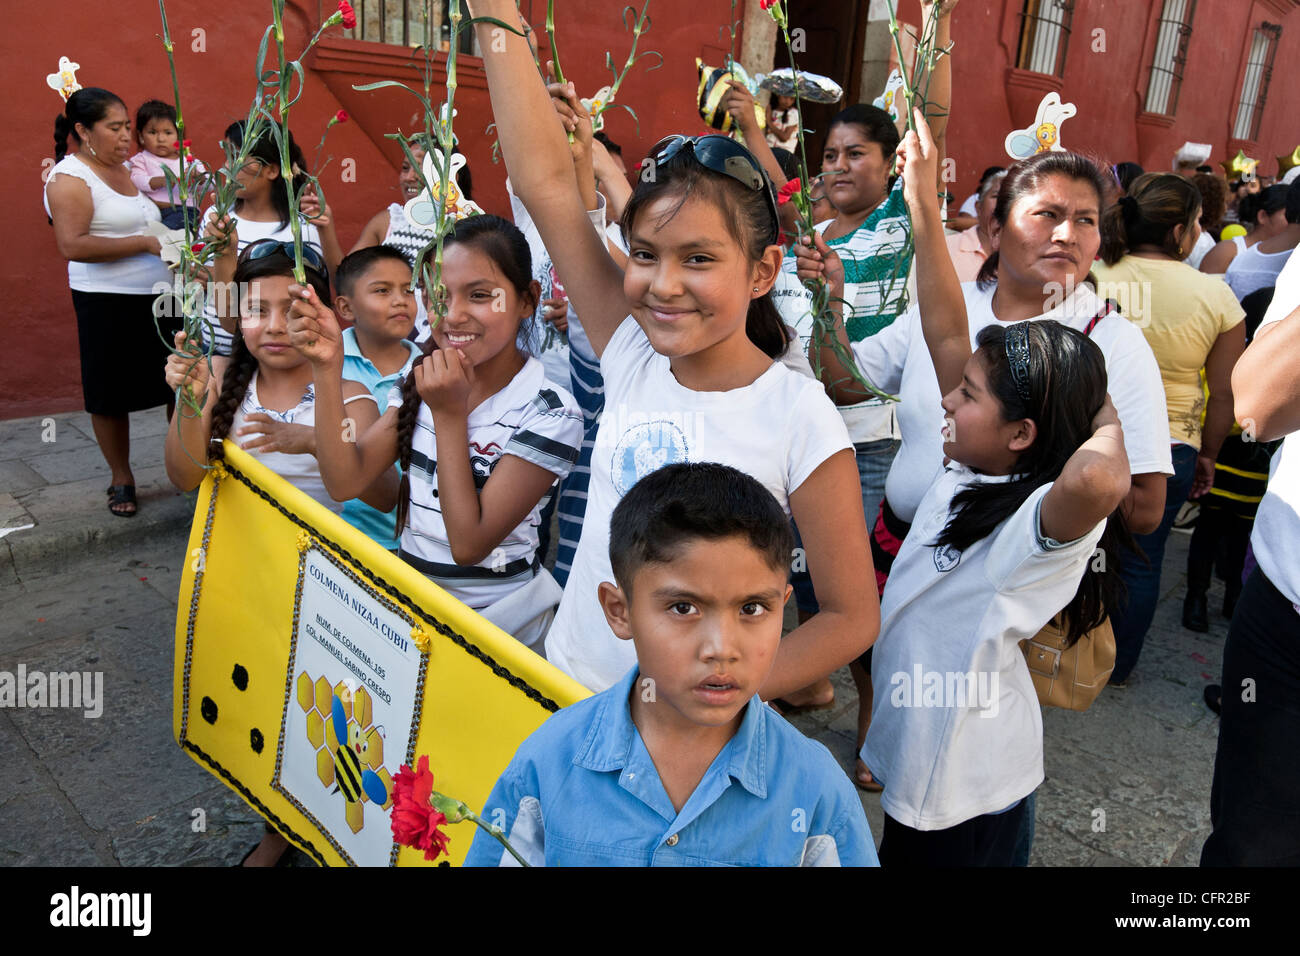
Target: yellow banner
column 311, row 664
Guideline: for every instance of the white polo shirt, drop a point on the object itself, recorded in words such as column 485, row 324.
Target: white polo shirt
column 896, row 359
column 1276, row 537
column 956, row 729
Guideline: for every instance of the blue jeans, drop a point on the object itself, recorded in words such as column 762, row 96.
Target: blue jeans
column 874, row 460
column 1133, row 618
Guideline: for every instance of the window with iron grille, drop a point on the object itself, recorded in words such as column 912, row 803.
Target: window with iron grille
column 401, row 22
column 1044, row 35
column 1254, row 88
column 1170, row 56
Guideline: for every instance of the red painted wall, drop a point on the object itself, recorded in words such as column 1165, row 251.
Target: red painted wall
column 1110, row 87
column 40, row 371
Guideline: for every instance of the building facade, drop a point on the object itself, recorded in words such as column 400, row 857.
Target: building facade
column 1144, row 76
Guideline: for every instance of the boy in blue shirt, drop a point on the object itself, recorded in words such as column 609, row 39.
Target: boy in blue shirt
column 374, row 295
column 680, row 763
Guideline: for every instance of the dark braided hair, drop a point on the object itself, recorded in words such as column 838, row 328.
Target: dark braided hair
column 239, row 373
column 1067, row 386
column 505, row 245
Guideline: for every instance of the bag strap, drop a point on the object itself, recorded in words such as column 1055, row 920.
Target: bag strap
column 1110, row 307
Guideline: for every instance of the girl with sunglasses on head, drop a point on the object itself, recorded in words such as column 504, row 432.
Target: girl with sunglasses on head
column 265, row 401
column 687, row 339
column 1001, row 543
column 262, row 212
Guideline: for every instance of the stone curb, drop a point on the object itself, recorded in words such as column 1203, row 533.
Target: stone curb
column 52, row 544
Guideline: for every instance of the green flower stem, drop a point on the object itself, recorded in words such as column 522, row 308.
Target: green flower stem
column 455, row 811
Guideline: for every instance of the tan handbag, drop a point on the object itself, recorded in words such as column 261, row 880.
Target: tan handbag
column 1070, row 677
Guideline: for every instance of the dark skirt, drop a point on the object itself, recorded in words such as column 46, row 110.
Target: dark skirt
column 122, row 354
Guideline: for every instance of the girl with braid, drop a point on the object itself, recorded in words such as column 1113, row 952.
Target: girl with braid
column 266, row 400
column 480, row 434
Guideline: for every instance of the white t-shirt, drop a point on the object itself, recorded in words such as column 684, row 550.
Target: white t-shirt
column 970, row 206
column 1276, row 537
column 778, row 429
column 531, row 419
column 250, row 232
column 301, row 471
column 956, row 728
column 114, row 216
column 1204, row 243
column 897, row 360
column 1252, row 270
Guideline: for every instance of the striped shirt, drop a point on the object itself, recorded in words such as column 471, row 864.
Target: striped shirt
column 529, row 418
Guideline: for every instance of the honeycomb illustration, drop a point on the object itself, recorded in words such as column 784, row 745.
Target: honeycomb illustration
column 349, row 749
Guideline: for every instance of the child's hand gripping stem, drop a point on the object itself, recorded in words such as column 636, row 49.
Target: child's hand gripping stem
column 939, row 296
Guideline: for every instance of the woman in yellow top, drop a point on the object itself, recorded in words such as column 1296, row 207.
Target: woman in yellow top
column 1191, row 321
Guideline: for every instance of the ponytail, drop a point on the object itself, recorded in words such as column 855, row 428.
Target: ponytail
column 1156, row 204
column 764, row 327
column 988, row 274
column 62, row 127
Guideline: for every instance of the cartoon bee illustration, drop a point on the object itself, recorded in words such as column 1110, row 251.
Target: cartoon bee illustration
column 422, row 210
column 1045, row 133
column 349, row 776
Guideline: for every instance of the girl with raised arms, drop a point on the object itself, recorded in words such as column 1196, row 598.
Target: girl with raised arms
column 686, row 338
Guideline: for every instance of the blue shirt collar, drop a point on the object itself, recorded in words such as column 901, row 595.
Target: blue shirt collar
column 352, row 350
column 613, row 737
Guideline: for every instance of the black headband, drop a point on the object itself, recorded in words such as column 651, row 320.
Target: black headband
column 1017, row 348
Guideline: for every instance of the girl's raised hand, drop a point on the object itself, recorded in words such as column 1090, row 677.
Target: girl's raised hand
column 739, row 102
column 574, row 116
column 311, row 207
column 816, row 260
column 313, row 329
column 918, row 163
column 190, row 369
column 444, row 380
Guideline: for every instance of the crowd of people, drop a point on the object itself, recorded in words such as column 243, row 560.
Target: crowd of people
column 641, row 360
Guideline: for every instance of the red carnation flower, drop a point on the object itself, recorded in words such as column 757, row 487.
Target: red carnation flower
column 766, row 4
column 197, row 247
column 341, row 116
column 187, row 143
column 415, row 823
column 787, row 191
column 349, row 16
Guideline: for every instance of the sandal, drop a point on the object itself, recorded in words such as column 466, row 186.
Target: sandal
column 859, row 772
column 122, row 495
column 787, row 709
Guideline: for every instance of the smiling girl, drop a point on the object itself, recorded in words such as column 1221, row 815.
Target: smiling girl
column 480, row 434
column 265, row 402
column 686, row 338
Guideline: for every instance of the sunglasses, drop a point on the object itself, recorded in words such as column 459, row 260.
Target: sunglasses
column 724, row 155
column 268, row 247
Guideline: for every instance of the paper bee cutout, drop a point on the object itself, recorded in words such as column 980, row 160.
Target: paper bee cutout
column 891, row 99
column 713, row 87
column 813, row 87
column 422, row 209
column 596, row 106
column 1045, row 134
column 64, row 82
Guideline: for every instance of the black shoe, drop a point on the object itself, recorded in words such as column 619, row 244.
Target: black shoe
column 1196, row 616
column 1213, row 697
